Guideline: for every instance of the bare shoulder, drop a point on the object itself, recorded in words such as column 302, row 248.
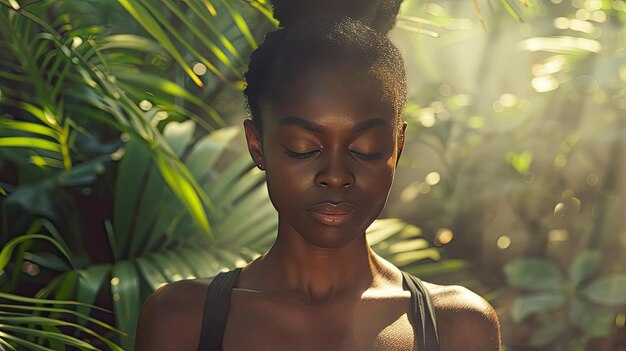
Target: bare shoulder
column 171, row 317
column 465, row 321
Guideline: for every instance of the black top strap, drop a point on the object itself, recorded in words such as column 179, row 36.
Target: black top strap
column 217, row 303
column 216, row 310
column 426, row 338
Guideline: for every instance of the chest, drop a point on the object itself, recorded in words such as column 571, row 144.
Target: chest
column 283, row 324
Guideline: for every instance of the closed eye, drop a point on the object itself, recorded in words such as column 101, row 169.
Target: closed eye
column 367, row 156
column 299, row 155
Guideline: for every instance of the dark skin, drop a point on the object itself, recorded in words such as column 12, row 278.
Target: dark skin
column 334, row 137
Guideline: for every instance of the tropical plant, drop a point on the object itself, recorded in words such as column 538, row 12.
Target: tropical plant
column 589, row 303
column 23, row 326
column 159, row 168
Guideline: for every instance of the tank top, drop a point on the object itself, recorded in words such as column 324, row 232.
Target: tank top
column 217, row 303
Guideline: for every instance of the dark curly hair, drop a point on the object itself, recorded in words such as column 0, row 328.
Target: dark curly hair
column 318, row 39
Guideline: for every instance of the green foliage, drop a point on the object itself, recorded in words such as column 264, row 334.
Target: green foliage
column 588, row 302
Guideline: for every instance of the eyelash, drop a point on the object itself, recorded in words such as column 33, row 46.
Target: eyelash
column 309, row 154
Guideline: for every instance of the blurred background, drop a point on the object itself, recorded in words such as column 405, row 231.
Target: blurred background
column 123, row 164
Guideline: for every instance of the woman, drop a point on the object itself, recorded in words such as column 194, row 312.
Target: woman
column 326, row 96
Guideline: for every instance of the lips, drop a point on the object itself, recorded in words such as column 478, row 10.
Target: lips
column 332, row 214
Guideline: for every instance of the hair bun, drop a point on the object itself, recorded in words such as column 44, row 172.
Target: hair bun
column 378, row 14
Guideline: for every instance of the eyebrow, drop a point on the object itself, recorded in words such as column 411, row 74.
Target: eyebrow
column 314, row 127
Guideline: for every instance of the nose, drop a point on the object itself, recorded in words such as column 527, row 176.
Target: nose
column 335, row 173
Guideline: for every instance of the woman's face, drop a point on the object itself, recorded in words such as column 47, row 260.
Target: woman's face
column 329, row 147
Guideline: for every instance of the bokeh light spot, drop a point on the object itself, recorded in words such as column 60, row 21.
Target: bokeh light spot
column 561, row 22
column 582, row 14
column 199, row 69
column 598, row 16
column 116, row 297
column 559, row 209
column 558, row 235
column 544, row 84
column 594, row 5
column 145, row 105
column 424, row 188
column 508, row 100
column 622, row 73
column 433, row 178
column 427, row 117
column 444, row 236
column 438, row 106
column 620, row 320
column 410, row 192
column 560, row 160
column 504, row 242
column 115, row 281
column 76, row 42
column 475, row 122
column 30, row 268
column 592, row 179
column 445, row 90
column 497, row 106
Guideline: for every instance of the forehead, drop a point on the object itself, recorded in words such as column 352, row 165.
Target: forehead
column 335, row 95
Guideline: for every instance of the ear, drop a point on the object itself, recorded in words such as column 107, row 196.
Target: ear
column 401, row 138
column 255, row 144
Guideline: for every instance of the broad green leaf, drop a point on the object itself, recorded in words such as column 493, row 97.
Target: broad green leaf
column 30, row 142
column 172, row 266
column 592, row 320
column 128, row 187
column 151, row 273
column 129, row 41
column 146, row 20
column 178, row 135
column 239, row 231
column 207, row 151
column 265, row 11
column 48, row 260
column 243, row 185
column 533, row 274
column 201, row 261
column 43, row 115
column 30, row 127
column 165, row 22
column 548, row 333
column 218, row 189
column 64, row 339
column 584, row 264
column 7, row 249
column 436, row 268
column 383, row 229
column 210, row 44
column 407, row 245
column 163, row 86
column 90, row 282
column 183, row 187
column 126, row 303
column 607, row 291
column 241, row 23
column 15, row 319
column 525, row 306
column 21, row 341
column 196, row 7
column 56, row 310
column 509, row 8
column 404, row 258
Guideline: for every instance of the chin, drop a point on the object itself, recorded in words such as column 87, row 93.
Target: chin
column 330, row 237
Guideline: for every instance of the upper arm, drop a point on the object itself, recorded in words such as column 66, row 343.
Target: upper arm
column 171, row 318
column 466, row 321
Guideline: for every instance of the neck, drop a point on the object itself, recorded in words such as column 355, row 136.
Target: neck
column 320, row 274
